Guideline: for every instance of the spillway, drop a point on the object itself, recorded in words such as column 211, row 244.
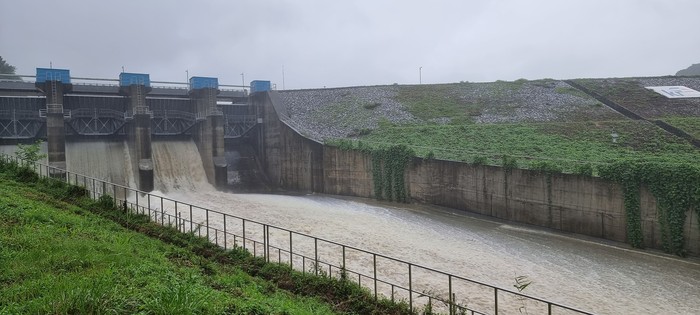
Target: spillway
column 603, row 278
column 107, row 160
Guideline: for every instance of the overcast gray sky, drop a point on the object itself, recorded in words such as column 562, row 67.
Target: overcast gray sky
column 347, row 43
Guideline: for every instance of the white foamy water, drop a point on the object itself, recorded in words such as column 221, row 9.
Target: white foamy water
column 587, row 275
column 178, row 167
column 105, row 160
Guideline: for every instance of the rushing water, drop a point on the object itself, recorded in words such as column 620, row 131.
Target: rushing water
column 589, row 275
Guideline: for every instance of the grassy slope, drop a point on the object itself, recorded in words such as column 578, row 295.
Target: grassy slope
column 691, row 125
column 585, row 142
column 586, row 136
column 58, row 258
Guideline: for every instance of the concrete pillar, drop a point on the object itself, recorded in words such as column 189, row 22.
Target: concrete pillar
column 135, row 86
column 209, row 132
column 54, row 83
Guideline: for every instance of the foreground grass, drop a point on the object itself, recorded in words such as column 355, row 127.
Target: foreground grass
column 62, row 253
column 56, row 258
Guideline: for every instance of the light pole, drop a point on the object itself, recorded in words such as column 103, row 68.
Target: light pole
column 187, row 74
column 243, row 80
column 420, row 75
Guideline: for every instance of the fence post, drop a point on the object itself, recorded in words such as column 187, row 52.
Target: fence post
column 316, row 255
column 267, row 237
column 495, row 300
column 162, row 212
column 225, row 231
column 374, row 261
column 410, row 289
column 265, row 244
column 191, row 220
column 291, row 257
column 449, row 285
column 244, row 239
column 207, row 213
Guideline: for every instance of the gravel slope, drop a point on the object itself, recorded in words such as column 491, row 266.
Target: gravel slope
column 348, row 112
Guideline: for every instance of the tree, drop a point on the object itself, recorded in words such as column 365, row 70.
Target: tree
column 30, row 152
column 6, row 68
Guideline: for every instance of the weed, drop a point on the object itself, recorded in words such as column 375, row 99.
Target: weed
column 371, row 105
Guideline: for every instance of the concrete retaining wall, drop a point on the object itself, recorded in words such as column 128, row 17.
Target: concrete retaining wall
column 579, row 204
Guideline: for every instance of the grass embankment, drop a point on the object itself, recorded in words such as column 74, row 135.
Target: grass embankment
column 566, row 144
column 584, row 133
column 63, row 253
column 691, row 125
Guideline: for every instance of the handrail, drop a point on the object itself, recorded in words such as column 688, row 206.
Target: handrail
column 450, row 301
column 172, row 113
column 117, row 80
column 99, row 112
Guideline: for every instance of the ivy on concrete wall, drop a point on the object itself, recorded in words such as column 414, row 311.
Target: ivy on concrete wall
column 676, row 187
column 389, row 171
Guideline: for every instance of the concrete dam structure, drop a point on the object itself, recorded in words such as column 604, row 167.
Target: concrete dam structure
column 56, row 108
column 569, row 203
column 101, row 138
column 237, row 134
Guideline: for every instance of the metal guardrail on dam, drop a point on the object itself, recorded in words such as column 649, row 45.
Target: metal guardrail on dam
column 393, row 278
column 111, row 87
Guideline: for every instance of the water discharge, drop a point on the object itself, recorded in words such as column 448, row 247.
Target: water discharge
column 589, row 275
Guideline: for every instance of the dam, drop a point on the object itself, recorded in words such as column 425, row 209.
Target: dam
column 583, row 272
column 54, row 108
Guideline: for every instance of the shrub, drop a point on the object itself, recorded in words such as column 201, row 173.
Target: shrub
column 371, row 105
column 480, row 160
column 584, row 169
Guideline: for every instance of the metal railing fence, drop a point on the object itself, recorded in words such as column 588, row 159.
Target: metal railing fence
column 392, row 278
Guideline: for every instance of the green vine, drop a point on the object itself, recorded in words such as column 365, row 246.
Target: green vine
column 388, row 172
column 377, row 161
column 627, row 174
column 509, row 163
column 676, row 188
